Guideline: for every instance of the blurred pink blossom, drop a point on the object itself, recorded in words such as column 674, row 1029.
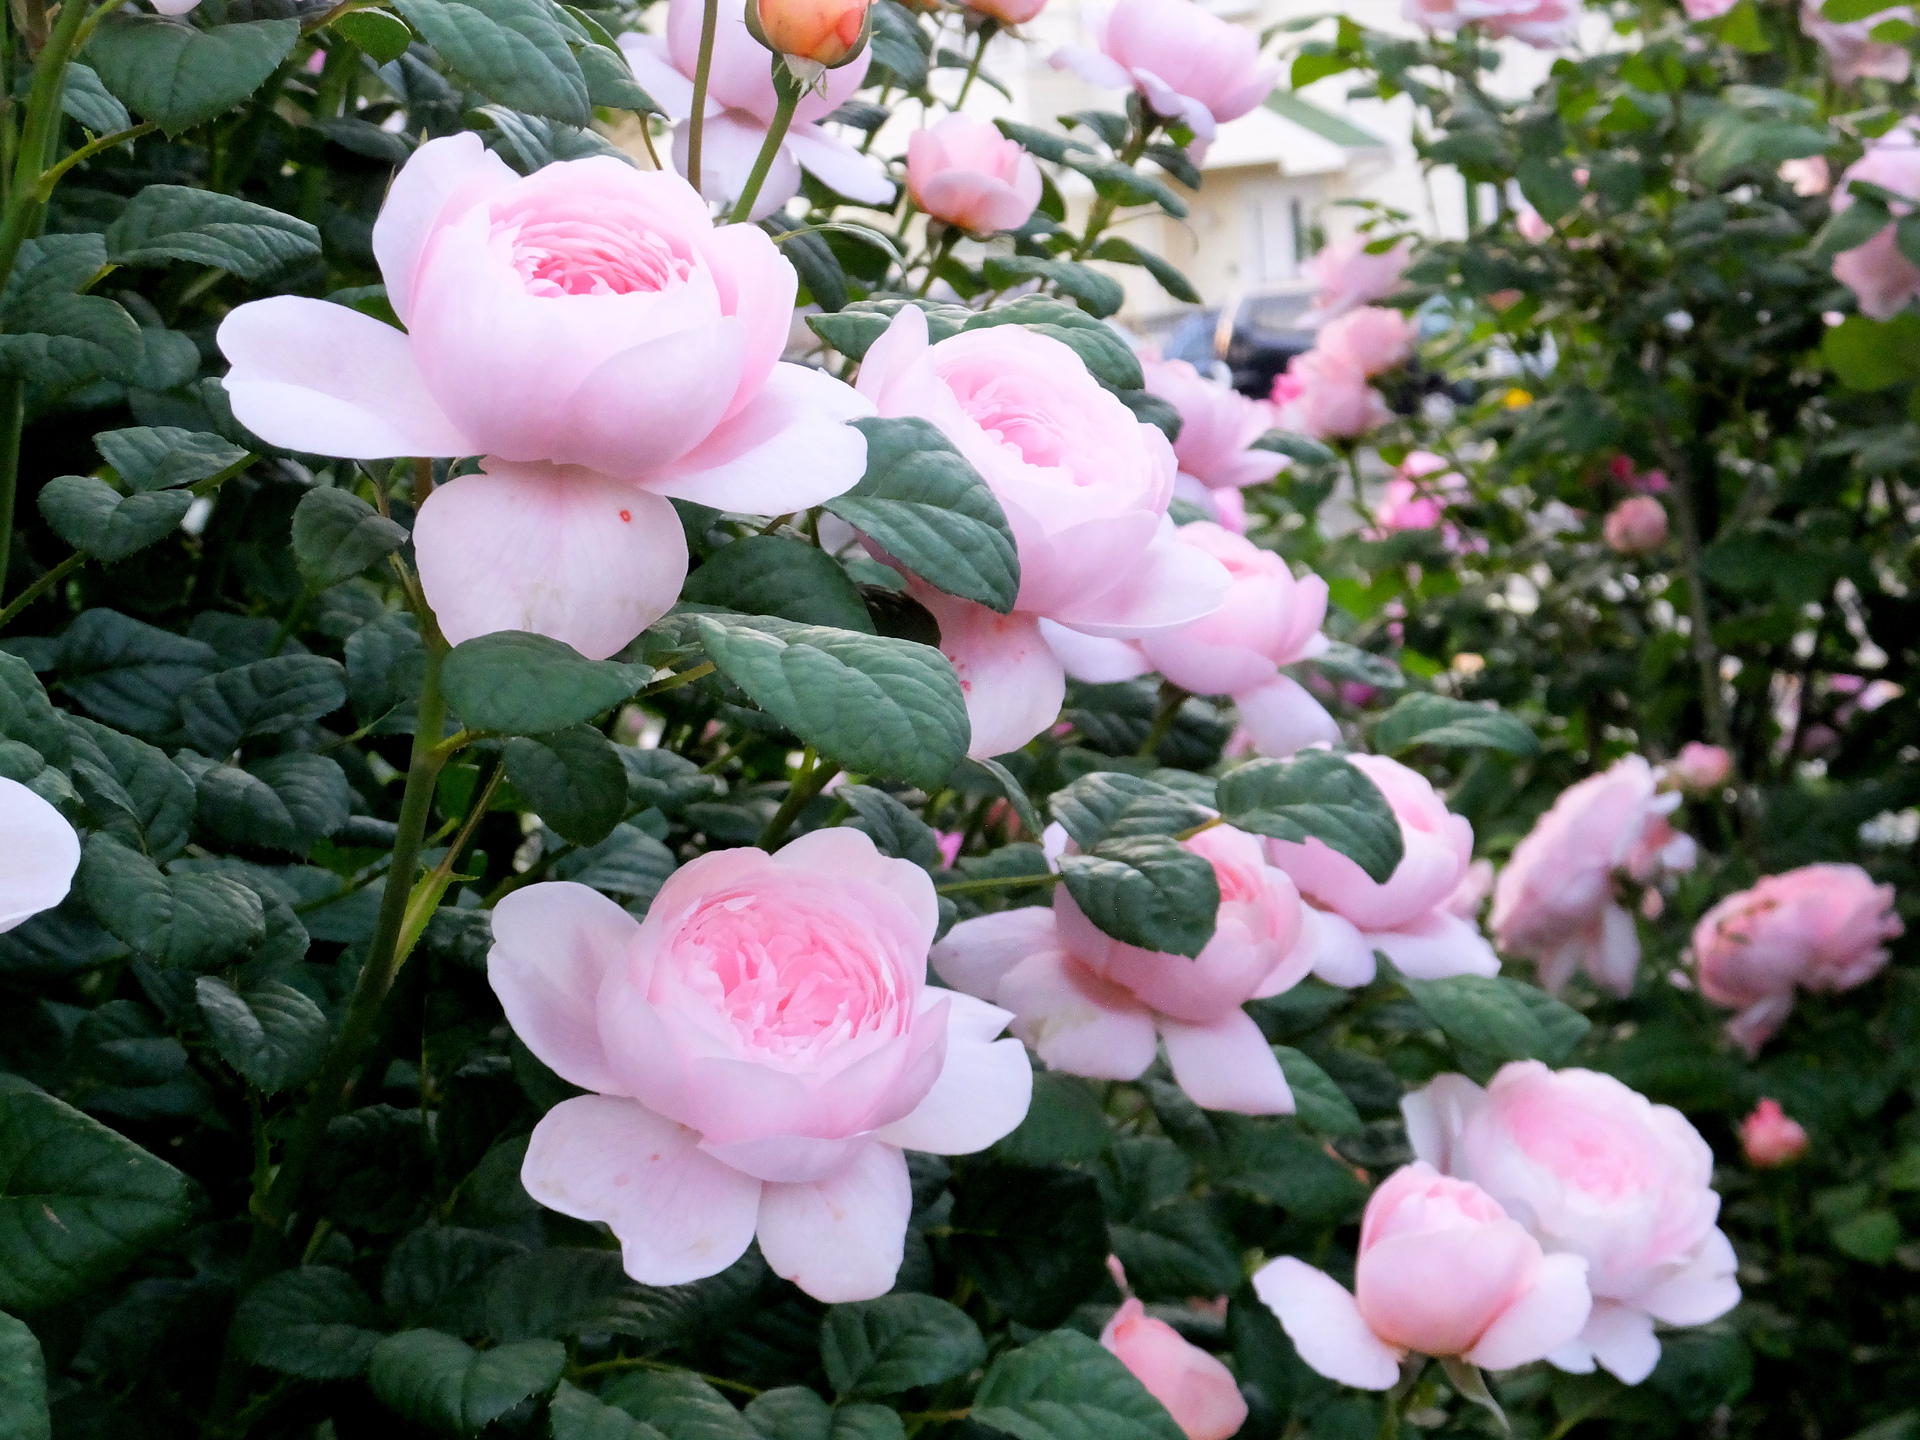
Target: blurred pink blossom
column 1770, row 1138
column 1349, row 276
column 1636, row 525
column 1881, row 277
column 1198, row 1391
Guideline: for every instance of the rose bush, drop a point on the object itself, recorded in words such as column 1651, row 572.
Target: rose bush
column 653, row 785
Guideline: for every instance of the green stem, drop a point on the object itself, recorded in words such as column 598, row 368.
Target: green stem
column 13, row 415
column 1101, row 215
column 1172, row 697
column 988, row 30
column 333, row 1087
column 998, row 882
column 703, row 67
column 40, row 587
column 88, row 151
column 813, row 776
column 37, row 137
column 788, row 92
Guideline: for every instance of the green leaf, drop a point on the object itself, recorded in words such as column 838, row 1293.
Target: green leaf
column 386, row 663
column 78, row 1202
column 438, row 1381
column 1103, row 352
column 131, row 789
column 93, row 517
column 576, row 1415
column 1317, row 1100
column 628, row 863
column 336, row 535
column 313, row 1322
column 900, row 45
column 660, row 780
column 1481, row 1015
column 1872, row 1236
column 897, row 1342
column 159, row 457
column 1126, row 186
column 1276, row 1164
column 86, row 100
column 1175, row 1251
column 130, row 675
column 1032, row 1239
column 518, row 683
column 284, row 802
column 1345, row 662
column 1146, row 890
column 1011, row 788
column 1122, row 251
column 190, row 919
column 512, row 51
column 930, row 510
column 385, row 37
column 1549, row 186
column 178, row 76
column 853, row 330
column 1064, row 1124
column 773, row 575
column 1850, row 228
column 23, row 1384
column 1843, row 12
column 1065, row 1386
column 264, row 698
column 28, row 716
column 796, row 1413
column 895, row 829
column 678, row 1404
column 572, row 778
column 1422, row 718
column 1109, row 804
column 1101, row 294
column 173, row 222
column 556, row 1294
column 435, row 1277
column 1874, row 354
column 534, row 142
column 267, row 1030
column 1562, row 1027
column 1315, row 795
column 55, row 337
column 876, row 705
column 610, row 81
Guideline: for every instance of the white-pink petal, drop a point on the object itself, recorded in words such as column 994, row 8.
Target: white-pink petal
column 1284, row 719
column 1323, row 1320
column 313, row 376
column 558, row 550
column 454, row 171
column 1077, row 1022
column 841, row 1238
column 1552, row 1312
column 983, row 1091
column 679, row 1214
column 977, row 954
column 1435, row 946
column 553, row 944
column 39, row 852
column 1227, row 1065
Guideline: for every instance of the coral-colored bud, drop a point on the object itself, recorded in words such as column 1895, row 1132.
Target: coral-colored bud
column 1771, row 1138
column 827, row 32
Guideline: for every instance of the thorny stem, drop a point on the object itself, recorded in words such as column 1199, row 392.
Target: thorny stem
column 1101, row 215
column 787, row 92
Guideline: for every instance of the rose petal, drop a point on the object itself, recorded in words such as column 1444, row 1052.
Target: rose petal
column 447, row 175
column 1076, row 1021
column 553, row 944
column 1012, row 680
column 1323, row 1320
column 1227, row 1065
column 1435, row 946
column 839, row 166
column 842, row 1238
column 1551, row 1313
column 1284, row 719
column 40, row 850
column 977, row 954
column 982, row 1093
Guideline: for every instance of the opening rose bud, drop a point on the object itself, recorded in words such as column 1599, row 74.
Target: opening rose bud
column 1198, row 1391
column 827, row 32
column 1771, row 1138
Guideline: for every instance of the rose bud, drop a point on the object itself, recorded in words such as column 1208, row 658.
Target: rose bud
column 827, row 32
column 1771, row 1138
column 1701, row 767
column 1198, row 1391
column 965, row 172
column 1638, row 524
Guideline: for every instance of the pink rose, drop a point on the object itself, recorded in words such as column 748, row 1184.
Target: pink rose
column 1327, row 399
column 1442, row 1271
column 1085, row 488
column 1707, row 9
column 42, row 854
column 1417, row 497
column 1348, row 276
column 1186, row 62
column 1217, row 427
column 1531, row 224
column 1542, row 24
column 1369, row 339
column 1556, row 902
column 1849, row 50
column 1268, row 619
column 1198, row 1391
column 1882, row 279
column 965, row 172
column 761, row 1048
column 1701, row 768
column 1636, row 525
column 1599, row 1172
column 1808, row 176
column 1090, row 1005
column 740, row 109
column 600, row 341
column 1770, row 1139
column 1350, row 915
column 1472, row 891
column 1009, row 12
column 1821, row 927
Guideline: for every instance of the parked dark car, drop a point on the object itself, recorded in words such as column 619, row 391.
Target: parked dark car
column 1254, row 335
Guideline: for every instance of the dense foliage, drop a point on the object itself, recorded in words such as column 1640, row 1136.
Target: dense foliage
column 1617, row 492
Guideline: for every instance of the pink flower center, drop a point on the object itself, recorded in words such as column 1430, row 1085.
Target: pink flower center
column 559, row 251
column 1601, row 1154
column 791, row 980
column 1000, row 409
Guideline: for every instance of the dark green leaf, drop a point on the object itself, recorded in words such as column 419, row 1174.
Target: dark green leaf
column 1481, row 1015
column 386, row 662
column 1344, row 662
column 1315, row 795
column 133, row 791
column 385, row 37
column 1065, row 1386
column 23, row 1384
column 855, row 328
column 895, row 829
column 678, row 1404
column 1874, row 354
column 263, row 698
column 178, row 76
column 267, row 1030
column 438, row 1381
column 159, row 457
column 573, row 779
column 877, row 706
column 1146, row 890
column 1034, row 1240
column 1064, row 1124
column 795, row 1413
column 336, row 535
column 1317, row 1100
column 1101, row 294
column 610, row 81
column 1562, row 1027
column 86, row 100
column 285, row 802
column 130, row 675
column 512, row 51
column 519, row 683
column 1126, row 186
column 900, row 45
column 930, row 510
column 1122, row 251
column 78, row 1201
column 173, row 222
column 1423, row 718
column 1109, row 804
column 313, row 1322
column 629, row 863
column 191, row 919
column 772, row 575
column 898, row 1342
column 576, row 1415
column 56, row 338
column 1104, row 353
